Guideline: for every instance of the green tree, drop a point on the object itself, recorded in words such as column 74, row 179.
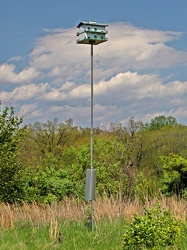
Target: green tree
column 174, row 180
column 141, row 156
column 175, row 140
column 52, row 137
column 160, row 121
column 11, row 134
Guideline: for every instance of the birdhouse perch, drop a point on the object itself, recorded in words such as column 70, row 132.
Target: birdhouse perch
column 91, row 33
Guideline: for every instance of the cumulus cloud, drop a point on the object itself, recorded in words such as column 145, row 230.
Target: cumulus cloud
column 58, row 57
column 127, row 79
column 125, row 95
column 8, row 74
column 128, row 47
column 23, row 93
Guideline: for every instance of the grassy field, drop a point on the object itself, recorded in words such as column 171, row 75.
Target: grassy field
column 70, row 235
column 66, row 225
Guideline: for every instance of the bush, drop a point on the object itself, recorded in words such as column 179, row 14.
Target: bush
column 156, row 228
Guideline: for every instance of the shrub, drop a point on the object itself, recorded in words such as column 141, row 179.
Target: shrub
column 156, row 228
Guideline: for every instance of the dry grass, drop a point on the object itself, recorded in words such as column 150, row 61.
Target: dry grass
column 70, row 209
column 110, row 208
column 6, row 216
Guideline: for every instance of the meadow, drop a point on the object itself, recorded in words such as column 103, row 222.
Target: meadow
column 66, row 225
column 43, row 163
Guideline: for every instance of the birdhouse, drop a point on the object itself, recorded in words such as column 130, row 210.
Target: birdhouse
column 91, row 33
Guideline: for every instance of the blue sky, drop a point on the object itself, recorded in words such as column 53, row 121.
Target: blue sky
column 140, row 72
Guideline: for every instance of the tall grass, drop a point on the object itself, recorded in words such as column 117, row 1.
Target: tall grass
column 71, row 209
column 62, row 225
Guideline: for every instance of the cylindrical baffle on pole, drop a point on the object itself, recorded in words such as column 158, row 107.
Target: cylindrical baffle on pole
column 90, row 184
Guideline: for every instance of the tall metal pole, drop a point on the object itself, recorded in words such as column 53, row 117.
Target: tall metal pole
column 91, row 130
column 93, row 34
column 91, row 134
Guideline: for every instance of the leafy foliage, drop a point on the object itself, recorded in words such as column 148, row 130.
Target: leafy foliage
column 174, row 174
column 145, row 188
column 127, row 158
column 48, row 186
column 160, row 121
column 47, row 162
column 156, row 228
column 11, row 133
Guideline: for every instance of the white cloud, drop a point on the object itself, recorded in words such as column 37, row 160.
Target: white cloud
column 124, row 95
column 23, row 93
column 57, row 55
column 128, row 47
column 127, row 79
column 8, row 74
column 127, row 86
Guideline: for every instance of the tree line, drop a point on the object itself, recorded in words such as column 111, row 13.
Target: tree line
column 46, row 162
